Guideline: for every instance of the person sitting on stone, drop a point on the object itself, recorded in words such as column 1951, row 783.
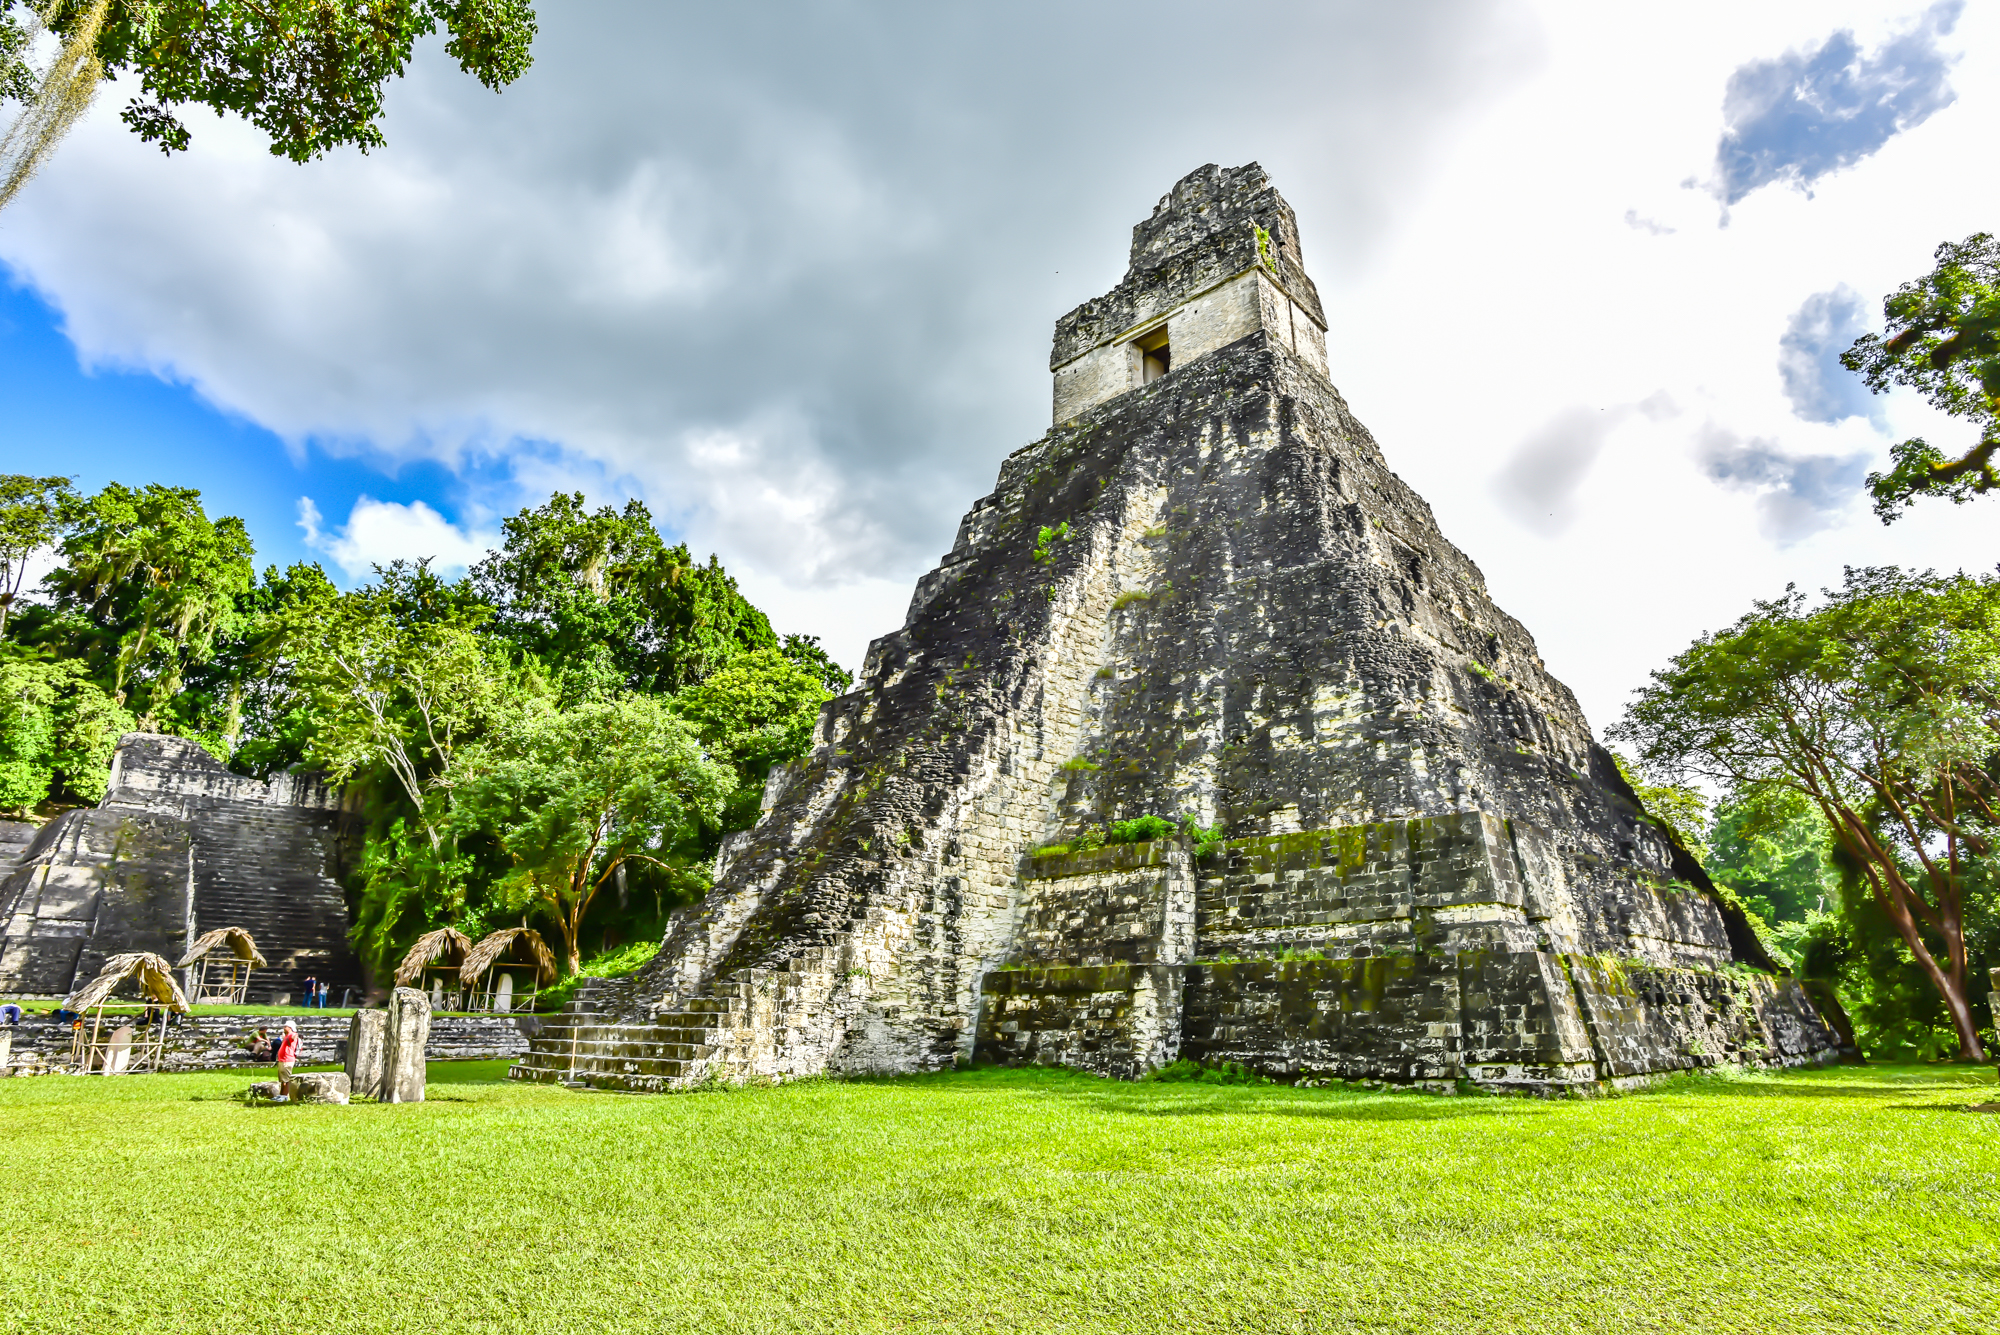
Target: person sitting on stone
column 10, row 1014
column 288, row 1056
column 260, row 1046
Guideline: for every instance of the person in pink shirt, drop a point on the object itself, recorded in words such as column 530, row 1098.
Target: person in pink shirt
column 288, row 1056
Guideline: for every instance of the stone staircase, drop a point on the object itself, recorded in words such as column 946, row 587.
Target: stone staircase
column 741, row 1026
column 584, row 1047
column 298, row 917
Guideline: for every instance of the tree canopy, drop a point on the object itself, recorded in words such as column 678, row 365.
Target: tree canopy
column 34, row 513
column 571, row 796
column 607, row 605
column 1880, row 709
column 310, row 74
column 146, row 586
column 588, row 707
column 1943, row 340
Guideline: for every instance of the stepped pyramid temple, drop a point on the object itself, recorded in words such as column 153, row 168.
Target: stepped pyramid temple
column 179, row 846
column 1201, row 596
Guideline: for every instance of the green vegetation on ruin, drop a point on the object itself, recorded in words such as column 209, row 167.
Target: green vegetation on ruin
column 1008, row 1201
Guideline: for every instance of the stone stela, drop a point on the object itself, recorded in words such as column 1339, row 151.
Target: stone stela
column 1203, row 594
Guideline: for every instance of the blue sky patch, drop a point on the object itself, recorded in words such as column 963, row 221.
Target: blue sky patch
column 1820, row 388
column 1809, row 113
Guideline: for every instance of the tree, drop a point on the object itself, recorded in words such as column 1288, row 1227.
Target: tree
column 308, row 73
column 574, row 795
column 804, row 650
column 147, row 583
column 1682, row 812
column 396, row 679
column 607, row 605
column 34, row 513
column 1943, row 340
column 1770, row 846
column 756, row 711
column 57, row 733
column 1882, row 710
column 246, row 690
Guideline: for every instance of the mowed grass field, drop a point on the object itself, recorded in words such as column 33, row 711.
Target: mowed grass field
column 1862, row 1199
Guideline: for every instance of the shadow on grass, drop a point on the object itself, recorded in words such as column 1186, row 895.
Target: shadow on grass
column 1162, row 1099
column 1352, row 1108
column 1887, row 1082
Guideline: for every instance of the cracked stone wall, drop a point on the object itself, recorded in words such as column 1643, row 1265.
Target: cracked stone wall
column 1208, row 597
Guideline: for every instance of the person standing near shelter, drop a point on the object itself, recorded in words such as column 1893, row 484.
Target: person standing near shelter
column 288, row 1056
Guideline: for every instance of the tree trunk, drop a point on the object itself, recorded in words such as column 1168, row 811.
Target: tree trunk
column 1949, row 985
column 1955, row 1000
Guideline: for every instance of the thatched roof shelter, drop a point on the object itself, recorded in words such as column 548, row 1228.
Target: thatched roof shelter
column 239, row 942
column 154, row 975
column 444, row 948
column 520, row 940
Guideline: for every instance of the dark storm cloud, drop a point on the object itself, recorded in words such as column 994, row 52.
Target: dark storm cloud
column 1820, row 388
column 1538, row 486
column 1797, row 496
column 1808, row 113
column 788, row 272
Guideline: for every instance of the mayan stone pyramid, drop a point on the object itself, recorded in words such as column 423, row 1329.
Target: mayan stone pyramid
column 1202, row 596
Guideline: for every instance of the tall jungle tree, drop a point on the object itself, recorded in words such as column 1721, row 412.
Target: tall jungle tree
column 1880, row 708
column 395, row 675
column 146, row 585
column 606, row 605
column 34, row 513
column 573, row 795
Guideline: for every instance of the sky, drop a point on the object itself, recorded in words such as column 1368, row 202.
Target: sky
column 789, row 274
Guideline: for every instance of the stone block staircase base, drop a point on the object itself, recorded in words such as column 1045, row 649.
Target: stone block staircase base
column 735, row 1030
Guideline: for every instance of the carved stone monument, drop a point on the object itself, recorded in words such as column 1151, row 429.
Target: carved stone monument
column 406, row 1029
column 320, row 1087
column 367, row 1041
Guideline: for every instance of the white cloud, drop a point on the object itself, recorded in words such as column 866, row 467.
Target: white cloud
column 1797, row 495
column 1819, row 387
column 1539, row 484
column 794, row 289
column 792, row 285
column 1813, row 111
column 378, row 532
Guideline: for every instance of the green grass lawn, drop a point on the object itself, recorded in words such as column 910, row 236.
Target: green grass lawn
column 1849, row 1199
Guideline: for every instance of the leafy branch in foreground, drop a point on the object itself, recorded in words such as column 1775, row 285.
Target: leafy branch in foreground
column 1943, row 340
column 308, row 73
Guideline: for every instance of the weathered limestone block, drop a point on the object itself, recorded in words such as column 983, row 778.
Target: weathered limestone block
column 265, row 1089
column 320, row 1087
column 367, row 1046
column 406, row 1029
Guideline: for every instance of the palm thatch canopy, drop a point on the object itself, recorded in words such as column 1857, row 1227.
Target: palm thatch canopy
column 447, row 945
column 156, row 982
column 239, row 943
column 499, row 943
